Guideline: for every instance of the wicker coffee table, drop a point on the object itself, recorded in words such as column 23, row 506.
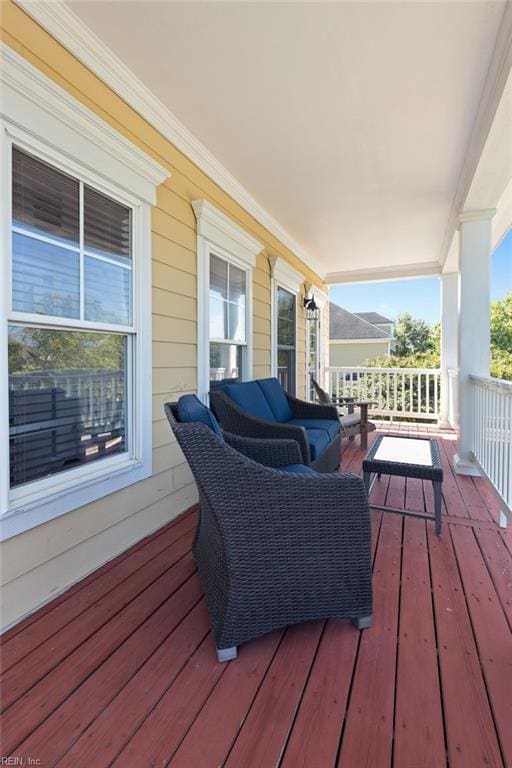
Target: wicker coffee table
column 406, row 457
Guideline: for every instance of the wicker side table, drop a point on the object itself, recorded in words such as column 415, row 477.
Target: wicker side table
column 406, row 457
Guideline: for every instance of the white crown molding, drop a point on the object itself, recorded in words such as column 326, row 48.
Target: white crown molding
column 66, row 27
column 33, row 102
column 485, row 214
column 497, row 75
column 376, row 274
column 220, row 230
column 285, row 275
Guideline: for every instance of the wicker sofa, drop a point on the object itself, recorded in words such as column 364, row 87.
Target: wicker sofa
column 262, row 409
column 277, row 543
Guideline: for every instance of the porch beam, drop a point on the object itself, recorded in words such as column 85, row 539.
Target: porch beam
column 474, row 335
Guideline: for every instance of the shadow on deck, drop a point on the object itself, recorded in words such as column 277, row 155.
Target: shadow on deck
column 121, row 669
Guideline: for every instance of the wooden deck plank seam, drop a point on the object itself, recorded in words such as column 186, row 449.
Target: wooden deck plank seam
column 477, row 646
column 100, row 597
column 54, row 602
column 356, row 657
column 93, row 670
column 155, row 703
column 393, row 724
column 493, row 581
column 438, row 658
column 109, row 618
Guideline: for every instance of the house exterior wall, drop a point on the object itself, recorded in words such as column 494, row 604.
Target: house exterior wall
column 41, row 562
column 356, row 353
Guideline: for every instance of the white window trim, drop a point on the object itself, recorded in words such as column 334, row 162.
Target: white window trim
column 217, row 234
column 40, row 117
column 283, row 276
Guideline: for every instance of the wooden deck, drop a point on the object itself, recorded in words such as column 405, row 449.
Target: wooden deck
column 121, row 669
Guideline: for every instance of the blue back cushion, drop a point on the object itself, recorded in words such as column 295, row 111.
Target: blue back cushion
column 251, row 399
column 190, row 408
column 276, row 398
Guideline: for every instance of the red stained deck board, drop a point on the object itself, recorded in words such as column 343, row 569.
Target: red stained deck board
column 166, row 725
column 316, row 732
column 268, row 724
column 472, row 500
column 419, row 737
column 119, row 720
column 95, row 702
column 499, row 562
column 414, row 499
column 491, row 630
column 471, row 735
column 367, row 739
column 89, row 595
column 52, row 738
column 396, row 492
column 32, row 708
column 206, row 744
column 452, row 496
column 46, row 656
column 23, row 625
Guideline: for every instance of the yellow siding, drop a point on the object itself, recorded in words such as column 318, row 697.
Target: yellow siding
column 357, row 354
column 40, row 563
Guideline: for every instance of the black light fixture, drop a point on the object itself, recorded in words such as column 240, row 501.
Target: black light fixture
column 311, row 308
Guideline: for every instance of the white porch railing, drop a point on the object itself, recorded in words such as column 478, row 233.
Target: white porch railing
column 492, row 432
column 398, row 392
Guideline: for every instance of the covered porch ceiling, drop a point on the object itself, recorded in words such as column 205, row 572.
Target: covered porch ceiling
column 356, row 131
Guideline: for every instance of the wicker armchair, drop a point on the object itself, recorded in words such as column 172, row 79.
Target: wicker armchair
column 236, row 420
column 274, row 548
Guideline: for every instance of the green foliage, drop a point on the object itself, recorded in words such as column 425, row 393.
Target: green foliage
column 412, row 336
column 501, row 324
column 417, row 349
column 36, row 349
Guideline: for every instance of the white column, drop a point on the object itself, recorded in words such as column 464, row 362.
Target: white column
column 449, row 415
column 474, row 322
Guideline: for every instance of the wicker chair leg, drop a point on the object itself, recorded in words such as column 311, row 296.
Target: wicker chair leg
column 226, row 654
column 362, row 622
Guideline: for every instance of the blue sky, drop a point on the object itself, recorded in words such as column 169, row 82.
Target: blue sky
column 419, row 297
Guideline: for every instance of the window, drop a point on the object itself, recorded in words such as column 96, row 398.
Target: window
column 71, row 265
column 226, row 255
column 75, row 347
column 227, row 310
column 286, row 339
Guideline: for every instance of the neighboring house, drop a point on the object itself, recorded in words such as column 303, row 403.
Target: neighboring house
column 384, row 323
column 353, row 338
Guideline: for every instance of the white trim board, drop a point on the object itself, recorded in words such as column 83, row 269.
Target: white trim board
column 285, row 275
column 40, row 117
column 66, row 27
column 495, row 82
column 376, row 274
column 25, row 89
column 220, row 230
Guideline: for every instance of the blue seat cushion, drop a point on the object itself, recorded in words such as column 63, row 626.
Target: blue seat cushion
column 249, row 397
column 190, row 408
column 318, row 441
column 329, row 425
column 276, row 398
column 298, row 469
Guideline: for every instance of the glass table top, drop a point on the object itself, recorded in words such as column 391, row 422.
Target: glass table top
column 404, row 450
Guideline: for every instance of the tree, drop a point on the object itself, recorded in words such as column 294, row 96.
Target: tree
column 501, row 324
column 412, row 336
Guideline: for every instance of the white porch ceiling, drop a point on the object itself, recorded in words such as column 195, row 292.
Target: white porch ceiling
column 348, row 122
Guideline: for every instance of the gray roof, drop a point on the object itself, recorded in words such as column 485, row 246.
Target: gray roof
column 373, row 317
column 345, row 325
